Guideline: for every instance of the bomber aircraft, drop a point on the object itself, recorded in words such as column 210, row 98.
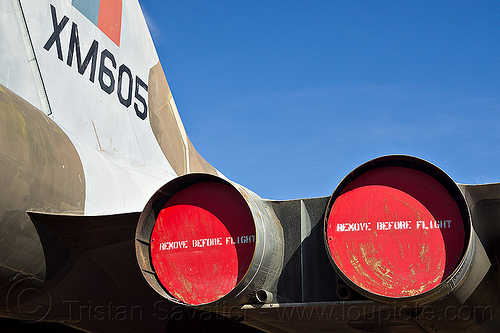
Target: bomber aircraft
column 110, row 220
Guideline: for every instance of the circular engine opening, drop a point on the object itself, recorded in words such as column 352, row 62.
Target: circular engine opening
column 203, row 242
column 395, row 231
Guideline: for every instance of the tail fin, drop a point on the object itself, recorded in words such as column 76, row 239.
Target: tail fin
column 92, row 67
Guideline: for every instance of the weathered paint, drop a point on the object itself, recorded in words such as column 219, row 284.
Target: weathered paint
column 163, row 121
column 104, row 107
column 125, row 156
column 39, row 170
column 197, row 163
column 168, row 129
column 121, row 157
column 203, row 242
column 123, row 164
column 395, row 232
column 91, row 156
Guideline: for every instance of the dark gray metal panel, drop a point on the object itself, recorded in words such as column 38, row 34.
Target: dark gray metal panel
column 288, row 286
column 308, row 275
column 484, row 205
column 320, row 279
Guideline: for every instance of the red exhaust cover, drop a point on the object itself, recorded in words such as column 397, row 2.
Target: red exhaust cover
column 395, row 232
column 203, row 242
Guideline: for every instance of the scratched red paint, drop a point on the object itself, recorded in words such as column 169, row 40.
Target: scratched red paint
column 376, row 239
column 203, row 242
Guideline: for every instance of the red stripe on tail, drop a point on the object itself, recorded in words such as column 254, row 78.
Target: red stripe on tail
column 110, row 19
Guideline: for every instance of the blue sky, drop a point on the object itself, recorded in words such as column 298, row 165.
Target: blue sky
column 287, row 97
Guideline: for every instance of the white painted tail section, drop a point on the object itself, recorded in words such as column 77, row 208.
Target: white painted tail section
column 91, row 75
